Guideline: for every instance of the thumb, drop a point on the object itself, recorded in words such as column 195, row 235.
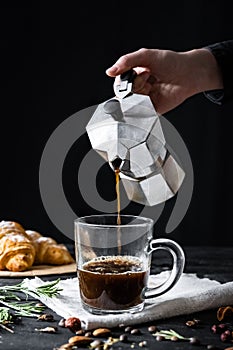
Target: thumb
column 120, row 66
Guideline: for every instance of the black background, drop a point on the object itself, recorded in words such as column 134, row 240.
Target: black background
column 53, row 62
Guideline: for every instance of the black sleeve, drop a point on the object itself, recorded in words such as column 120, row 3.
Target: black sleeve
column 223, row 52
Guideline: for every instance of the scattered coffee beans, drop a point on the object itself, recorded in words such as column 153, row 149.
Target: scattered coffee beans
column 135, row 331
column 194, row 341
column 128, row 329
column 142, row 343
column 123, row 337
column 152, row 329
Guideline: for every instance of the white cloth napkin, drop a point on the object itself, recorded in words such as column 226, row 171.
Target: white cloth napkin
column 190, row 294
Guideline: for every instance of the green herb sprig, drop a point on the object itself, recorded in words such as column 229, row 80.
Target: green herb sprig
column 169, row 334
column 29, row 309
column 48, row 289
column 5, row 318
column 21, row 308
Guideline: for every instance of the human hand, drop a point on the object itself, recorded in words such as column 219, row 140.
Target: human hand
column 169, row 77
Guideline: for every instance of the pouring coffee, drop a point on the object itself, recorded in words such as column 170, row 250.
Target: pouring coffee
column 127, row 133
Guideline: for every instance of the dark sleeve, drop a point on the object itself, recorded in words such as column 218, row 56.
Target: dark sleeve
column 223, row 52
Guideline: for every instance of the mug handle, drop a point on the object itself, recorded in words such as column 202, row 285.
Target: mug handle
column 177, row 269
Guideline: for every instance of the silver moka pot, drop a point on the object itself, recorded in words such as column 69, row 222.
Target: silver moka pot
column 127, row 133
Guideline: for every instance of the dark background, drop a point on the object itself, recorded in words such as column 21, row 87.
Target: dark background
column 53, row 63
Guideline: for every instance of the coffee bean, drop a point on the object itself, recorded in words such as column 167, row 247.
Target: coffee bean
column 159, row 338
column 123, row 337
column 194, row 341
column 135, row 331
column 128, row 329
column 143, row 343
column 213, row 347
column 152, row 329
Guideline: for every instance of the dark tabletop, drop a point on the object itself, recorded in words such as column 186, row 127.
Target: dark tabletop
column 212, row 262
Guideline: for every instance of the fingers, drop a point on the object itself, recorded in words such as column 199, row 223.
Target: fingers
column 128, row 61
column 141, row 83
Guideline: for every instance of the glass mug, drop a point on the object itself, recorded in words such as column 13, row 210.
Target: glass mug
column 113, row 262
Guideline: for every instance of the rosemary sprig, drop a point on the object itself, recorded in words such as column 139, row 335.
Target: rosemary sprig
column 5, row 295
column 29, row 309
column 5, row 317
column 49, row 289
column 169, row 334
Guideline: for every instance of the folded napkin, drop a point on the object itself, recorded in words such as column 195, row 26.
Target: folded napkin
column 190, row 294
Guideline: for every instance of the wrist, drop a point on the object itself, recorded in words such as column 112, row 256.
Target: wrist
column 205, row 72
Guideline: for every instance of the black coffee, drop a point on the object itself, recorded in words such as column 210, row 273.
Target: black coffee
column 112, row 283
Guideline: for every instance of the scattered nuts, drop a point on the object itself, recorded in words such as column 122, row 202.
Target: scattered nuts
column 174, row 338
column 101, row 332
column 224, row 313
column 96, row 343
column 46, row 317
column 73, row 323
column 80, row 332
column 191, row 323
column 79, row 340
column 88, row 334
column 47, row 329
column 61, row 323
column 225, row 336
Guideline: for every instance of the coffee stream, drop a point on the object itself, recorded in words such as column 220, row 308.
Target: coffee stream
column 117, row 171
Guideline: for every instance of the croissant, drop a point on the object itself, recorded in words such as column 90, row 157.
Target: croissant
column 17, row 252
column 48, row 251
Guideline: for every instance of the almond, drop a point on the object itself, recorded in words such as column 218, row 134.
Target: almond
column 101, row 332
column 79, row 340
